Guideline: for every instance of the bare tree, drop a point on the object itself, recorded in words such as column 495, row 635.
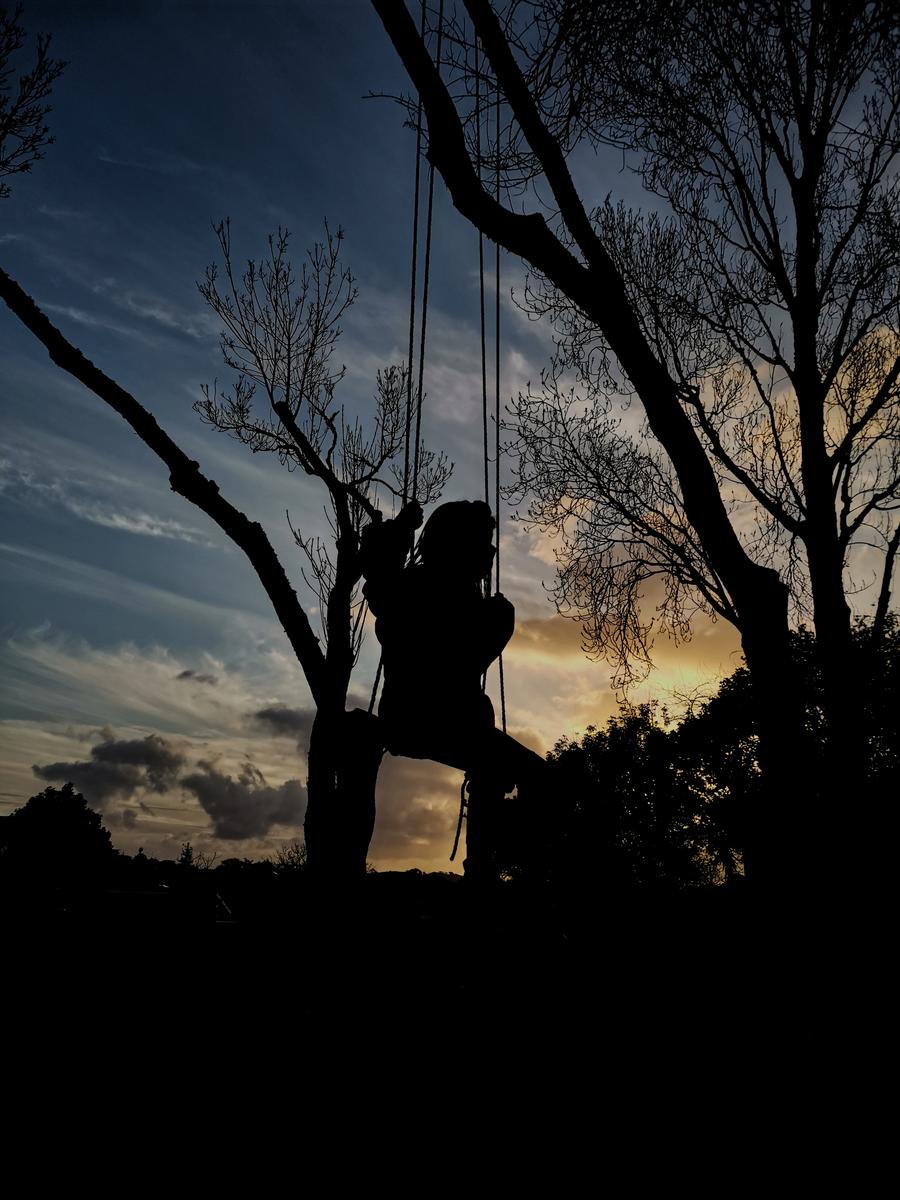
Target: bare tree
column 291, row 859
column 772, row 290
column 756, row 323
column 279, row 333
column 614, row 507
column 23, row 132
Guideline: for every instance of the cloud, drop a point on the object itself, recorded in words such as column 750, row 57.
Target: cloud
column 158, row 161
column 246, row 806
column 66, row 215
column 75, row 688
column 287, row 722
column 148, row 308
column 69, row 576
column 34, row 475
column 197, row 677
column 131, row 521
column 550, row 637
column 104, row 734
column 93, row 320
column 119, row 768
column 195, row 323
column 416, row 807
column 159, row 757
column 97, row 781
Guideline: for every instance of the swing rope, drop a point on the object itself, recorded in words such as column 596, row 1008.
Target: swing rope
column 411, row 451
column 484, row 387
column 484, row 393
column 412, row 286
column 497, row 401
column 462, row 816
column 425, row 281
column 463, row 806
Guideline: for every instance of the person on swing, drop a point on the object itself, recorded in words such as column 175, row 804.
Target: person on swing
column 439, row 633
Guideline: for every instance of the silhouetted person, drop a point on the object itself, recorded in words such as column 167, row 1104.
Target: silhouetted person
column 439, row 633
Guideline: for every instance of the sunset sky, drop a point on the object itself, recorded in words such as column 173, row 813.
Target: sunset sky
column 140, row 657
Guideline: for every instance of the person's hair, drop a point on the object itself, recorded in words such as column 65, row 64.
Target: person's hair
column 456, row 529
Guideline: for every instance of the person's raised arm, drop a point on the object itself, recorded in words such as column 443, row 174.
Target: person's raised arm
column 383, row 549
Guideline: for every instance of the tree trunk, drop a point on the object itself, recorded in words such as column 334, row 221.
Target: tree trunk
column 775, row 863
column 842, row 768
column 844, row 765
column 345, row 752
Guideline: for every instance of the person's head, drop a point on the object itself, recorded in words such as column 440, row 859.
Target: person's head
column 458, row 538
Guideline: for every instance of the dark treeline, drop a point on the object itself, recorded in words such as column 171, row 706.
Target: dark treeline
column 653, row 803
column 57, row 860
column 643, row 804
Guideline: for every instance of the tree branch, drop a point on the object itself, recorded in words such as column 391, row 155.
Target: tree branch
column 598, row 291
column 884, row 594
column 185, row 478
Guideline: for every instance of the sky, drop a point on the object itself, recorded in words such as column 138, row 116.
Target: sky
column 140, row 657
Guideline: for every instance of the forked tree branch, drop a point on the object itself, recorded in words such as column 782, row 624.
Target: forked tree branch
column 185, row 478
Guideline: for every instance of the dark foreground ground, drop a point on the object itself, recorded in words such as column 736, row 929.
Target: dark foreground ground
column 415, row 951
column 592, row 1037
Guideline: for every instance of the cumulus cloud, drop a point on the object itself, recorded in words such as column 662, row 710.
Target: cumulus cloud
column 246, row 806
column 97, row 781
column 119, row 768
column 160, row 759
column 286, row 722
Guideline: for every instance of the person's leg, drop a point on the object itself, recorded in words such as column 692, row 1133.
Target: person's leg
column 498, row 765
column 484, row 798
column 495, row 764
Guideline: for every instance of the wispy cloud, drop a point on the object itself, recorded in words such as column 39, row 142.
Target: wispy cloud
column 154, row 311
column 87, row 686
column 71, row 577
column 141, row 523
column 195, row 323
column 93, row 320
column 29, row 485
column 66, row 216
column 159, row 161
